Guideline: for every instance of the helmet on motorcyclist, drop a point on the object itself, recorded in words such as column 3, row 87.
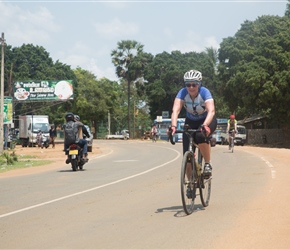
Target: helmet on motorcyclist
column 77, row 117
column 69, row 116
column 232, row 117
column 193, row 75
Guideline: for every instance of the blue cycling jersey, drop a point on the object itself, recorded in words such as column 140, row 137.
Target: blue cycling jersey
column 195, row 109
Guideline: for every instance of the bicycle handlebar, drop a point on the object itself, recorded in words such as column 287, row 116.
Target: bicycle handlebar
column 189, row 131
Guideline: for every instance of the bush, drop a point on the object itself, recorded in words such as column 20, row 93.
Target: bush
column 7, row 158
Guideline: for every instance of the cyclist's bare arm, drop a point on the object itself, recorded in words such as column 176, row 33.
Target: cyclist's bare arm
column 177, row 106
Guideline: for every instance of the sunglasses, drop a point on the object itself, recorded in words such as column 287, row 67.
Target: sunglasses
column 188, row 85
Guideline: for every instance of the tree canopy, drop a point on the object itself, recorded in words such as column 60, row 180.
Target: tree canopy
column 254, row 68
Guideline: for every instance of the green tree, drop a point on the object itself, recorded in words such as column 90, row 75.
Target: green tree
column 164, row 77
column 287, row 12
column 254, row 68
column 95, row 98
column 122, row 58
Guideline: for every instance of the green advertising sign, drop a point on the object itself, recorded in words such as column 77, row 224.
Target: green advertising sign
column 8, row 110
column 43, row 90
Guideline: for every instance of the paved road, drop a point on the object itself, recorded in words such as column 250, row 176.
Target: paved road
column 128, row 197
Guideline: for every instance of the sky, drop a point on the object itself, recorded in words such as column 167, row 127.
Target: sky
column 83, row 33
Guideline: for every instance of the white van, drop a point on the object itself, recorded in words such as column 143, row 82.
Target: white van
column 241, row 136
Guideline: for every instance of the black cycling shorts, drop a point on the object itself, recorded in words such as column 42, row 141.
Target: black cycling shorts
column 199, row 137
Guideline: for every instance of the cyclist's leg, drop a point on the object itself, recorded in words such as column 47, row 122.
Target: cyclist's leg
column 205, row 147
column 205, row 151
column 230, row 139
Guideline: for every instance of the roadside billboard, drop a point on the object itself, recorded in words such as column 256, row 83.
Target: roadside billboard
column 57, row 90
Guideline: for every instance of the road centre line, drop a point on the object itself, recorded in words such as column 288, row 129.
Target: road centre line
column 93, row 189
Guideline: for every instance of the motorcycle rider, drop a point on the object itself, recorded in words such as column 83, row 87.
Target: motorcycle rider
column 70, row 119
column 39, row 139
column 86, row 134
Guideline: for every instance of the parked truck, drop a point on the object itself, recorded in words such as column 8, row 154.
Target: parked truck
column 29, row 126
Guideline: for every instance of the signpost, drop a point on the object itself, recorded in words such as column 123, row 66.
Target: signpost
column 2, row 94
column 165, row 114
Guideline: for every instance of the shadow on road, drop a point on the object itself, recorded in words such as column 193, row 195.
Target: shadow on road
column 179, row 212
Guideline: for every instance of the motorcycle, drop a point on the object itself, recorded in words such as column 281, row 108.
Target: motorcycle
column 45, row 141
column 42, row 141
column 75, row 153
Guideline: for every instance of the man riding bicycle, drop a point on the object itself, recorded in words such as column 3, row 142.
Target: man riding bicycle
column 232, row 129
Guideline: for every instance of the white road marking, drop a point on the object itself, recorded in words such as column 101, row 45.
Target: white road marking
column 272, row 168
column 92, row 189
column 124, row 160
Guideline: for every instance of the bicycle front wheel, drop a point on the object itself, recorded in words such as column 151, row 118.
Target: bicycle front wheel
column 204, row 190
column 188, row 183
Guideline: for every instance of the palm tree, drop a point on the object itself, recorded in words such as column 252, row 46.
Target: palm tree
column 121, row 58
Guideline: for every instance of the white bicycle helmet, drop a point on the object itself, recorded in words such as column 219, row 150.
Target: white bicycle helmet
column 192, row 75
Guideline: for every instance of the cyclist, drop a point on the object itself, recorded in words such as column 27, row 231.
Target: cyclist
column 200, row 113
column 154, row 132
column 232, row 126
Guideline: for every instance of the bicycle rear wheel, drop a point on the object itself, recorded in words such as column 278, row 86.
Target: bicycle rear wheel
column 204, row 184
column 188, row 183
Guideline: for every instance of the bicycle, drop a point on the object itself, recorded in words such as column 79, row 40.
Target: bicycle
column 232, row 142
column 154, row 136
column 192, row 178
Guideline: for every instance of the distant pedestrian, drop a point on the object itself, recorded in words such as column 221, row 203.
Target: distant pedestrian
column 52, row 135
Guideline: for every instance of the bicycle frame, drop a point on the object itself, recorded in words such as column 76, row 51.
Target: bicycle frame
column 192, row 147
column 232, row 136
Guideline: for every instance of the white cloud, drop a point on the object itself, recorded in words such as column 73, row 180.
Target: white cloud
column 116, row 28
column 26, row 26
column 107, row 72
column 195, row 42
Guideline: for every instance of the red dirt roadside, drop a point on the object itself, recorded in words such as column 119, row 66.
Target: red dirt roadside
column 53, row 154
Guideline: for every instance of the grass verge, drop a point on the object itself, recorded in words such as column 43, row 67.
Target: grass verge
column 9, row 161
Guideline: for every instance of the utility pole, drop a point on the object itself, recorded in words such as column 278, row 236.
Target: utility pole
column 2, row 95
column 109, row 122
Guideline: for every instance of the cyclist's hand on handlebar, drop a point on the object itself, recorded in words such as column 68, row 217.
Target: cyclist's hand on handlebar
column 205, row 129
column 172, row 130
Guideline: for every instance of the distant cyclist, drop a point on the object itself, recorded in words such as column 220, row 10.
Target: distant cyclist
column 154, row 132
column 232, row 126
